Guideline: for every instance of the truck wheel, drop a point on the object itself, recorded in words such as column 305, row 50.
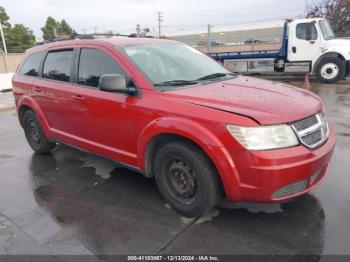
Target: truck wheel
column 35, row 135
column 186, row 179
column 330, row 70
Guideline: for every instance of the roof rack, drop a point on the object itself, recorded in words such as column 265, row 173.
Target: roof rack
column 86, row 36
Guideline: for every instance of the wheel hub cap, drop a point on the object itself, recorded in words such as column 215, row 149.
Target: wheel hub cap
column 182, row 180
column 33, row 131
column 329, row 71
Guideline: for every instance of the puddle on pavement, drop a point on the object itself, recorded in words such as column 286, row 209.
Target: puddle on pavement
column 103, row 167
column 252, row 207
column 126, row 209
column 5, row 156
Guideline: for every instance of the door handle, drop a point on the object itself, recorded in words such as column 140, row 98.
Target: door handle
column 294, row 49
column 78, row 97
column 38, row 89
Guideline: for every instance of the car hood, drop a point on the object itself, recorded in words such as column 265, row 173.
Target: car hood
column 265, row 101
column 338, row 42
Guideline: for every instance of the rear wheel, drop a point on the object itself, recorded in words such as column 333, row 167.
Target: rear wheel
column 331, row 70
column 186, row 178
column 35, row 135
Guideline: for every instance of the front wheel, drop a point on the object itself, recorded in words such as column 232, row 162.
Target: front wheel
column 186, row 178
column 330, row 70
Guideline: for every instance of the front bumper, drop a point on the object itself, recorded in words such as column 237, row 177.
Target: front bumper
column 280, row 175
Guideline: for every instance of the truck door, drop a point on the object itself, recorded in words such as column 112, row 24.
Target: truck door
column 304, row 41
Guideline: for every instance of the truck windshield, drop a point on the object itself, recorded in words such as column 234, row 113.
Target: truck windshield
column 327, row 30
column 174, row 64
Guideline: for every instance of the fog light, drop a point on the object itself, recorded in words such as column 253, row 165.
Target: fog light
column 313, row 178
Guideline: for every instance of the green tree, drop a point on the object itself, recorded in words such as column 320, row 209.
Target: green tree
column 51, row 25
column 4, row 22
column 49, row 28
column 336, row 11
column 19, row 38
column 64, row 28
column 4, row 18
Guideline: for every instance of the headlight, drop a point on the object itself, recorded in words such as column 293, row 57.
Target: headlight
column 264, row 137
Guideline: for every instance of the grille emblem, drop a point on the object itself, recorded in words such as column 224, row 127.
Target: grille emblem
column 312, row 131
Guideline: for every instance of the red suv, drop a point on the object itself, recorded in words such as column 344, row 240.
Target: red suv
column 170, row 112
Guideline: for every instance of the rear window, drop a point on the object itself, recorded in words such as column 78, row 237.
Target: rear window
column 31, row 65
column 58, row 65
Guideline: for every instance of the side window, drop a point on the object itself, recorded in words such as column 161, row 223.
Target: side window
column 306, row 31
column 31, row 65
column 94, row 63
column 57, row 65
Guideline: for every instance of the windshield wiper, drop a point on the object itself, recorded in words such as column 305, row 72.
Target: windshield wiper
column 213, row 76
column 176, row 83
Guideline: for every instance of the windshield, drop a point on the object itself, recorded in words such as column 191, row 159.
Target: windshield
column 327, row 30
column 174, row 64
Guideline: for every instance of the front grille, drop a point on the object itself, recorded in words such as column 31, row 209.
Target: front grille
column 305, row 123
column 313, row 138
column 290, row 189
column 312, row 131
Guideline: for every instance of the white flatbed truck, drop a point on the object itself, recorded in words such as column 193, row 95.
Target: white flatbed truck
column 308, row 46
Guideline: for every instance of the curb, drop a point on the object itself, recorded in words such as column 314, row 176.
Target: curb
column 6, row 109
column 6, row 90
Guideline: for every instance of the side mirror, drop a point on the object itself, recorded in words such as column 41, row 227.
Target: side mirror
column 115, row 83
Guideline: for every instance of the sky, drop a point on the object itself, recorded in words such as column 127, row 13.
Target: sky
column 180, row 16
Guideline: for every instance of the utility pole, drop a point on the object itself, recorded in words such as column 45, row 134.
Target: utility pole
column 209, row 38
column 306, row 7
column 55, row 33
column 5, row 49
column 138, row 29
column 160, row 20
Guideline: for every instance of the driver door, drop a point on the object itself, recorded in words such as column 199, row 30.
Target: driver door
column 304, row 41
column 108, row 125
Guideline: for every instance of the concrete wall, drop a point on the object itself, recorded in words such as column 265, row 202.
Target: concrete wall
column 12, row 62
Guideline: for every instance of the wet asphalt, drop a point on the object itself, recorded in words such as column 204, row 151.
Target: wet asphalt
column 73, row 203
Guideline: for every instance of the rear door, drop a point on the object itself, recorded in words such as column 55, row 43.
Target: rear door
column 53, row 92
column 108, row 127
column 22, row 82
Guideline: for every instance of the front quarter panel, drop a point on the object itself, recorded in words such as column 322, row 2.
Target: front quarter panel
column 203, row 137
column 343, row 51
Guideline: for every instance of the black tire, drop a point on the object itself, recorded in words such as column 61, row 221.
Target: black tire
column 187, row 179
column 35, row 135
column 329, row 75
